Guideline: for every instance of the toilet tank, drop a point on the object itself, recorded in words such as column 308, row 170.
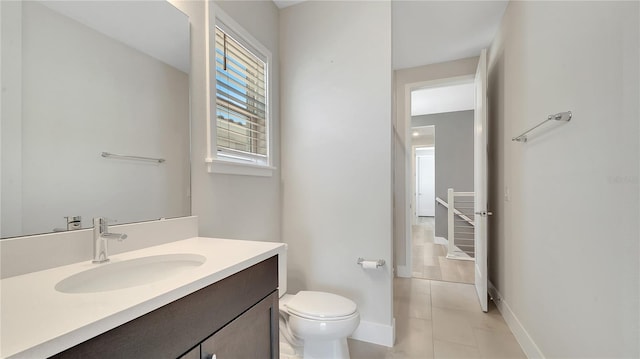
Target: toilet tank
column 282, row 271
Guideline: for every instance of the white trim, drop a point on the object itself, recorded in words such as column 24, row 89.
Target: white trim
column 404, row 272
column 207, row 69
column 215, row 165
column 409, row 181
column 459, row 255
column 527, row 344
column 228, row 154
column 441, row 240
column 449, row 81
column 376, row 333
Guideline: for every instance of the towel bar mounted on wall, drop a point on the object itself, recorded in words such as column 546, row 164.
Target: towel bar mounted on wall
column 560, row 116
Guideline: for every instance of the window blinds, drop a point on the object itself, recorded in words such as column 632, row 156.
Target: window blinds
column 240, row 99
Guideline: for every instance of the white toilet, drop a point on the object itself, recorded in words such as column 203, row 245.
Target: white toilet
column 315, row 325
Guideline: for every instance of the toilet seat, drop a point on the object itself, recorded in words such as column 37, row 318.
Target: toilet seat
column 321, row 306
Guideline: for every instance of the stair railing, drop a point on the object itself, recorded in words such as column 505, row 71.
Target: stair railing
column 460, row 224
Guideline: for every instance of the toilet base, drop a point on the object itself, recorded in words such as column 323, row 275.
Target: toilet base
column 326, row 349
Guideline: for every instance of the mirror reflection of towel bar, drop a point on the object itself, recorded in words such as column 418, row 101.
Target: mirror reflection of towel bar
column 139, row 158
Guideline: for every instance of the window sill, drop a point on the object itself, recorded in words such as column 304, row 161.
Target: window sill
column 236, row 168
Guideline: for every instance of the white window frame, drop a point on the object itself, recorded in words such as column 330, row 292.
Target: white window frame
column 224, row 161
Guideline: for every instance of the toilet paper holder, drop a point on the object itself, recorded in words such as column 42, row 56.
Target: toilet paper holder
column 379, row 262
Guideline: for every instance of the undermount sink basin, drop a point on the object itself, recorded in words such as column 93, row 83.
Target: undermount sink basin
column 129, row 273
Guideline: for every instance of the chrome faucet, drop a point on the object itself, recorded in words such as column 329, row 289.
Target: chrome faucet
column 100, row 236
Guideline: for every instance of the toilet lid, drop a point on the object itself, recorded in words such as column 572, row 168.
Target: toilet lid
column 321, row 305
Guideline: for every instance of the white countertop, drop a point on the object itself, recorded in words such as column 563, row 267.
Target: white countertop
column 37, row 321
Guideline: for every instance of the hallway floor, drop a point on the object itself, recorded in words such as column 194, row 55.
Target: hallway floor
column 442, row 320
column 429, row 257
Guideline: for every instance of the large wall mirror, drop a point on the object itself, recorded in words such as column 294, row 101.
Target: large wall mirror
column 80, row 78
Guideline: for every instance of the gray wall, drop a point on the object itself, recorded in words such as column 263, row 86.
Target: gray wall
column 336, row 184
column 565, row 238
column 454, row 156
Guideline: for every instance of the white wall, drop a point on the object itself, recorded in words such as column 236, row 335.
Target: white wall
column 336, row 141
column 402, row 145
column 564, row 247
column 83, row 93
column 233, row 206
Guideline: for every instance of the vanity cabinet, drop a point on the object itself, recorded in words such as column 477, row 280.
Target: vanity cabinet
column 249, row 336
column 192, row 354
column 236, row 317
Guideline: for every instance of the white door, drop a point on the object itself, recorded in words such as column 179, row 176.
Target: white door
column 480, row 180
column 426, row 183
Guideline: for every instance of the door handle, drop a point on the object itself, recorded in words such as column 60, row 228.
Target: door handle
column 484, row 213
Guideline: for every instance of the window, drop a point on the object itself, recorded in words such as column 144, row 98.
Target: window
column 241, row 131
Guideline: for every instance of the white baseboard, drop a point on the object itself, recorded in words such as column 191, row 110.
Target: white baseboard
column 441, row 240
column 459, row 256
column 404, row 272
column 529, row 347
column 376, row 333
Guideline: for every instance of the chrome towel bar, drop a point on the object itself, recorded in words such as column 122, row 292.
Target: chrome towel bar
column 560, row 116
column 139, row 158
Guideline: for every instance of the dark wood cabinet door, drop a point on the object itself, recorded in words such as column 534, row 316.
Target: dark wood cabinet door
column 253, row 335
column 193, row 354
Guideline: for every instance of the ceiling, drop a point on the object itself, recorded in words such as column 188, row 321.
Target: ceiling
column 156, row 28
column 281, row 4
column 423, row 135
column 423, row 131
column 427, row 32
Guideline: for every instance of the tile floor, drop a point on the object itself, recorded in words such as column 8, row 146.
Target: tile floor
column 442, row 320
column 429, row 258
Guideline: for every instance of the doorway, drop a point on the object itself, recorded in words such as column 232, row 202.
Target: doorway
column 449, row 107
column 424, row 169
column 478, row 218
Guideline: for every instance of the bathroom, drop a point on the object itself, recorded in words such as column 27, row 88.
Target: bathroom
column 328, row 191
column 83, row 179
